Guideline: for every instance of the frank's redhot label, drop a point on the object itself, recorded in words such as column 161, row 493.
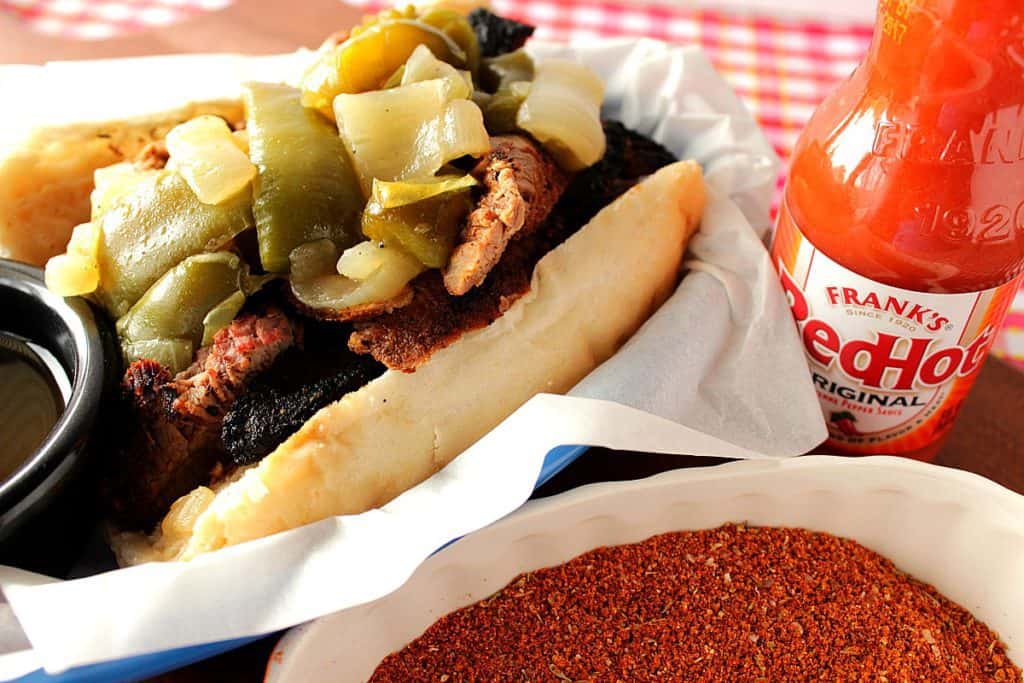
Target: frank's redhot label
column 891, row 366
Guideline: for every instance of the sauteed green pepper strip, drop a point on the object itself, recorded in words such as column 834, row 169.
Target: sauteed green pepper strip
column 502, row 71
column 424, row 228
column 173, row 354
column 306, row 189
column 176, row 306
column 457, row 27
column 501, row 108
column 371, row 55
column 508, row 76
column 155, row 227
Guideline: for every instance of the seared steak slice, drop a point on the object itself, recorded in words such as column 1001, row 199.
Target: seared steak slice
column 202, row 395
column 522, row 185
column 281, row 399
column 498, row 35
column 407, row 337
column 173, row 441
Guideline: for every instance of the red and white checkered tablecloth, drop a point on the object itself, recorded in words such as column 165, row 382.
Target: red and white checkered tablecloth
column 96, row 19
column 782, row 68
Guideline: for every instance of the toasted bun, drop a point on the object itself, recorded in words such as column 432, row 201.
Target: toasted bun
column 45, row 182
column 586, row 298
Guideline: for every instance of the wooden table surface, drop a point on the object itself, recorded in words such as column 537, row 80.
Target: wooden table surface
column 988, row 439
column 257, row 27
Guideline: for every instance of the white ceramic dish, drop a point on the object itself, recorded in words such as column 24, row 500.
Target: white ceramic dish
column 960, row 532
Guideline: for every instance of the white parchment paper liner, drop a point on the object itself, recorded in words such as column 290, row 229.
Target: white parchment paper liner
column 717, row 371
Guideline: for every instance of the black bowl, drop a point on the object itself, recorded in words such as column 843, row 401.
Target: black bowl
column 47, row 505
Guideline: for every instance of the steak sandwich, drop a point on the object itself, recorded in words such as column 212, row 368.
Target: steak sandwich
column 324, row 300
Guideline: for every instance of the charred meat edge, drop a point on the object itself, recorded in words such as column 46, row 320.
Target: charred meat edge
column 281, row 399
column 175, row 442
column 496, row 34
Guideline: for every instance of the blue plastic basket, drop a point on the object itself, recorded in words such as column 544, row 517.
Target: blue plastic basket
column 144, row 666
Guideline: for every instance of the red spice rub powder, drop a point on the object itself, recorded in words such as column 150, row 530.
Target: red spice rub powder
column 732, row 604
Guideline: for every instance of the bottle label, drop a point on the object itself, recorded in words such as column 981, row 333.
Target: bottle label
column 891, row 366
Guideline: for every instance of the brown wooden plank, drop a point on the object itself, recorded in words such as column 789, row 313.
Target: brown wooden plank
column 988, row 437
column 247, row 26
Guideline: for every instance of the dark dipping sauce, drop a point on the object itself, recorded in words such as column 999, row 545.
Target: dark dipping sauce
column 30, row 403
column 735, row 604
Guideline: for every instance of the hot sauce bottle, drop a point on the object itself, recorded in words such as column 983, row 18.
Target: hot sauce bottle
column 900, row 241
